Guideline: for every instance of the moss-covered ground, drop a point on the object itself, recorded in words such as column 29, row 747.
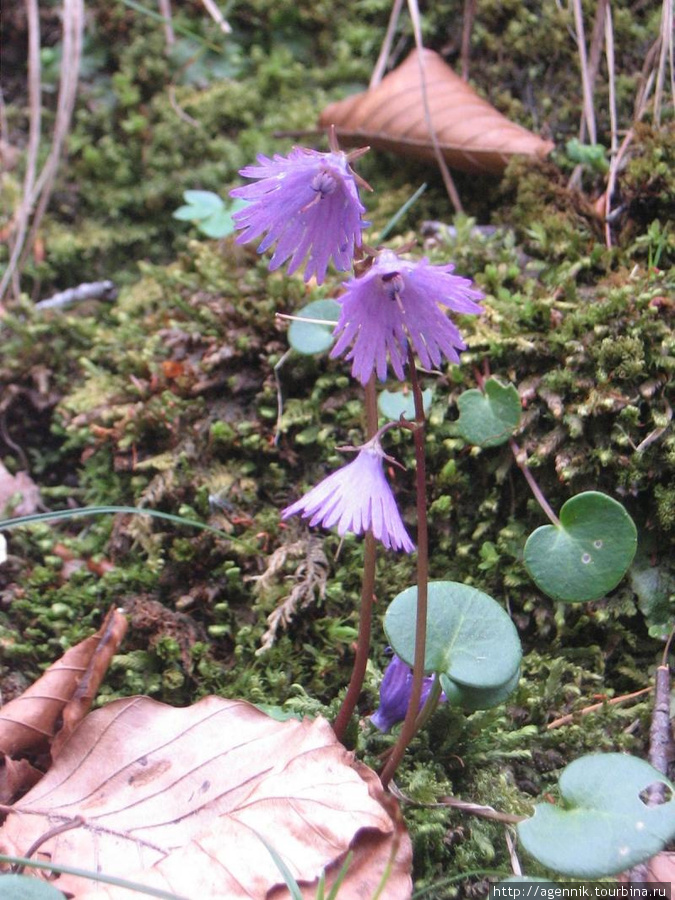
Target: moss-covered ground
column 166, row 398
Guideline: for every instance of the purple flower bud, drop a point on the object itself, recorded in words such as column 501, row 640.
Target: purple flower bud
column 308, row 203
column 398, row 304
column 395, row 692
column 356, row 498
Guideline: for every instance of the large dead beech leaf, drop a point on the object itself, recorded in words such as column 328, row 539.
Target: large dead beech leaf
column 473, row 136
column 177, row 799
column 63, row 695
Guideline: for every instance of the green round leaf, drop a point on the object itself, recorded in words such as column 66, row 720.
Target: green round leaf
column 604, row 826
column 312, row 337
column 184, row 213
column 218, row 225
column 394, row 404
column 469, row 636
column 21, row 887
column 204, row 203
column 473, row 698
column 587, row 554
column 489, row 418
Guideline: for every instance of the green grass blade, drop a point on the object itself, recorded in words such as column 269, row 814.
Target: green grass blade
column 401, row 212
column 107, row 510
column 93, row 876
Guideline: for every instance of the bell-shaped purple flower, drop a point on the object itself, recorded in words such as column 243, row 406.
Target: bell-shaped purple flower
column 308, row 203
column 356, row 498
column 395, row 692
column 398, row 304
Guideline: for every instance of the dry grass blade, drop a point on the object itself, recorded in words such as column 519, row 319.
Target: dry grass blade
column 37, row 192
column 665, row 55
column 35, row 127
column 217, row 16
column 381, row 64
column 414, row 10
column 467, row 27
column 472, row 135
column 165, row 12
column 586, row 80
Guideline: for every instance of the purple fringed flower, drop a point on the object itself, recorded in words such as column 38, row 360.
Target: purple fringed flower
column 395, row 692
column 396, row 304
column 308, row 203
column 356, row 498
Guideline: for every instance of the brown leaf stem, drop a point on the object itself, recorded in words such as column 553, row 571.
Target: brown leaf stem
column 409, row 723
column 367, row 593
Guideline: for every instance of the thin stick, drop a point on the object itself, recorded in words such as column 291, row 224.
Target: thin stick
column 609, row 52
column 381, row 64
column 408, row 728
column 614, row 701
column 467, row 28
column 367, row 595
column 660, row 735
column 35, row 105
column 438, row 153
column 73, row 29
column 165, row 11
column 586, row 84
column 217, row 16
column 666, row 52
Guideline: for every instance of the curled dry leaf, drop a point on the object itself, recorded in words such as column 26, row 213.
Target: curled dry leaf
column 179, row 798
column 63, row 695
column 16, row 777
column 473, row 136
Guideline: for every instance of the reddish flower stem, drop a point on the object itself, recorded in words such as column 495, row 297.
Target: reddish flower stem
column 408, row 728
column 367, row 594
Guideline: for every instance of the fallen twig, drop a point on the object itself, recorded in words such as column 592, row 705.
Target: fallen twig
column 614, row 701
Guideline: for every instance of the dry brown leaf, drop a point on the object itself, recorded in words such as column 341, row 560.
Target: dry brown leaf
column 177, row 799
column 16, row 777
column 662, row 868
column 473, row 136
column 63, row 694
column 20, row 484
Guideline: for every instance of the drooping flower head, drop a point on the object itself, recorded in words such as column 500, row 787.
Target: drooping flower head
column 308, row 203
column 395, row 693
column 398, row 304
column 356, row 498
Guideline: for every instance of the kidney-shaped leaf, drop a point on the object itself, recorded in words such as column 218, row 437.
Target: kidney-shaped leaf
column 21, row 887
column 489, row 418
column 199, row 205
column 394, row 404
column 469, row 636
column 177, row 799
column 605, row 825
column 588, row 554
column 307, row 334
column 472, row 698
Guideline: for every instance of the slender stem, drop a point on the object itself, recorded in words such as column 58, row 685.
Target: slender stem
column 367, row 593
column 408, row 728
column 534, row 487
column 521, row 460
